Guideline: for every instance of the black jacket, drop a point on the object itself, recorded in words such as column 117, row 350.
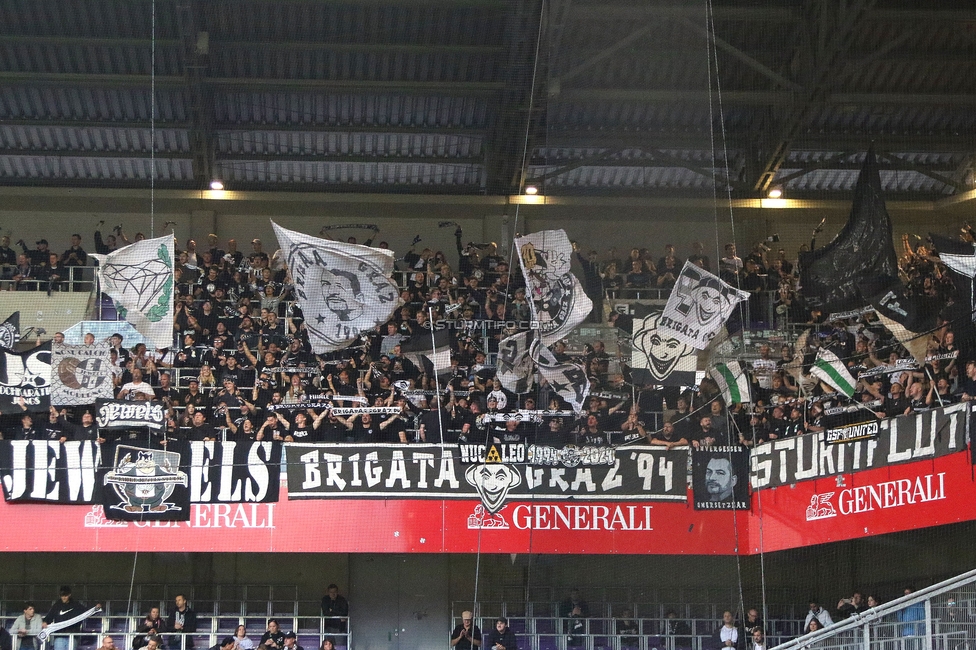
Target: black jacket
column 189, row 625
column 506, row 638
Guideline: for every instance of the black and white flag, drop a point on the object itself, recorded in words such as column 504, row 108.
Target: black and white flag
column 343, row 289
column 10, row 331
column 516, row 368
column 81, row 374
column 567, row 379
column 25, row 376
column 910, row 317
column 144, row 484
column 698, row 307
column 556, row 299
column 657, row 356
column 433, row 354
column 139, row 277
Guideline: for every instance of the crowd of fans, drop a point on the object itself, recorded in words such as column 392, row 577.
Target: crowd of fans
column 241, row 364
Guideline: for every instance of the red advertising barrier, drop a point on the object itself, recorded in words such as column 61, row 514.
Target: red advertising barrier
column 392, row 526
column 872, row 502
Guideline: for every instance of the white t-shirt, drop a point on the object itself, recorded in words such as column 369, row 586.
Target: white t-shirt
column 729, row 634
column 141, row 387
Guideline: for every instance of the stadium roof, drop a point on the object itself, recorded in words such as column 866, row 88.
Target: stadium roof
column 594, row 98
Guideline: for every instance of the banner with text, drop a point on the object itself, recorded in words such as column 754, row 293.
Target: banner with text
column 898, row 440
column 495, row 474
column 52, row 472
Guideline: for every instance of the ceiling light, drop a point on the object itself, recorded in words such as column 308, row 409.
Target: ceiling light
column 216, row 184
column 531, row 189
column 775, row 193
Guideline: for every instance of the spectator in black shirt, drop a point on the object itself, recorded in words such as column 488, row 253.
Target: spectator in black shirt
column 896, row 403
column 574, row 608
column 466, row 634
column 182, row 620
column 75, row 255
column 502, row 637
column 166, row 392
column 274, row 638
column 201, row 429
column 7, row 255
column 334, row 605
column 847, row 607
column 64, row 609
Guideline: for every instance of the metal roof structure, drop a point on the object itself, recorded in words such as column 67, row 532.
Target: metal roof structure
column 483, row 97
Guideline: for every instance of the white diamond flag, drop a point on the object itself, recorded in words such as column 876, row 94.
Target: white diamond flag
column 139, row 278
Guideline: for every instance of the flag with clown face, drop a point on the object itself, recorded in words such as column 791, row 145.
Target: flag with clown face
column 698, row 307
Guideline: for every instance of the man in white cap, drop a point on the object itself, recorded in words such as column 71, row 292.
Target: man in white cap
column 466, row 634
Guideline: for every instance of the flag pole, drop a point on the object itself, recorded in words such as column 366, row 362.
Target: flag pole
column 437, row 381
column 932, row 379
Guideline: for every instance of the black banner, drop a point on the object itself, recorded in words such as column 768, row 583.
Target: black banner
column 904, row 439
column 49, row 471
column 719, row 478
column 234, row 472
column 121, row 414
column 495, row 473
column 75, row 472
column 145, row 484
column 27, row 376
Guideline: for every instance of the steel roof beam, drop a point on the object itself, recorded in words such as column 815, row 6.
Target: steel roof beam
column 195, row 56
column 230, row 127
column 747, row 59
column 94, row 153
column 447, row 88
column 603, row 11
column 954, row 142
column 458, row 161
column 216, row 44
column 833, row 33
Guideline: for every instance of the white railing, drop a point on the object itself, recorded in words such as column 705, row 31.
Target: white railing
column 939, row 617
column 200, row 640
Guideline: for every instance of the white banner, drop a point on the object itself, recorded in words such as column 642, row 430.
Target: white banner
column 343, row 289
column 698, row 307
column 81, row 374
column 556, row 299
column 139, row 278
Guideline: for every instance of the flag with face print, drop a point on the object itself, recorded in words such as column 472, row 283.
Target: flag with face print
column 698, row 307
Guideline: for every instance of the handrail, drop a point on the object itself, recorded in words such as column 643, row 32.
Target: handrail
column 876, row 613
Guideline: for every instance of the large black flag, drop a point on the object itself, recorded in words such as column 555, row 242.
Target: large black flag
column 829, row 275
